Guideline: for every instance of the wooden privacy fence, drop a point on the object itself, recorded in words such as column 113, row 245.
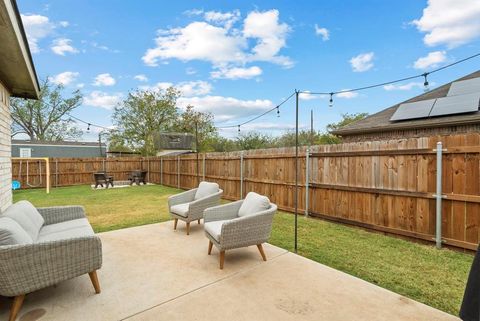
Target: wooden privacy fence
column 387, row 186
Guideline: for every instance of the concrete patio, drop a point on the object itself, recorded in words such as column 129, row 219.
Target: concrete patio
column 153, row 273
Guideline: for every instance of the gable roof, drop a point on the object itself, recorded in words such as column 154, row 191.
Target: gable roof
column 55, row 143
column 380, row 122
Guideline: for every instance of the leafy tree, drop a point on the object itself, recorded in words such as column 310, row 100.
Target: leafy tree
column 47, row 118
column 253, row 140
column 346, row 120
column 142, row 115
column 191, row 119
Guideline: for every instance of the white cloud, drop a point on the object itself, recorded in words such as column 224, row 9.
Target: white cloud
column 64, row 24
column 102, row 99
column 431, row 60
column 347, row 94
column 308, row 96
column 450, row 22
column 141, row 77
column 407, row 86
column 64, row 78
column 362, row 62
column 237, row 73
column 80, row 85
column 187, row 89
column 61, row 46
column 104, row 80
column 37, row 27
column 226, row 108
column 323, row 32
column 216, row 41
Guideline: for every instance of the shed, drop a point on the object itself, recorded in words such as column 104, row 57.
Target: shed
column 449, row 109
column 35, row 148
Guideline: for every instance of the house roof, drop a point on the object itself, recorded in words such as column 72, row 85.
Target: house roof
column 380, row 122
column 17, row 72
column 28, row 142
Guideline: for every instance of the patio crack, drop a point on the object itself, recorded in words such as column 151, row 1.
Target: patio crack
column 203, row 286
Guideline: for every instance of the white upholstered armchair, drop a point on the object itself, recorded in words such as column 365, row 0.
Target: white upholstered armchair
column 239, row 224
column 189, row 206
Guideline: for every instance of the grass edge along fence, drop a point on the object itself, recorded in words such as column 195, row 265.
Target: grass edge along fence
column 388, row 186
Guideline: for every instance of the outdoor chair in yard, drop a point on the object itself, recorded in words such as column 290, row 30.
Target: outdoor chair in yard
column 138, row 177
column 102, row 178
column 40, row 247
column 239, row 224
column 189, row 206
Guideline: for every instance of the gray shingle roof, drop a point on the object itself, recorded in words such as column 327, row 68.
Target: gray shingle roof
column 380, row 122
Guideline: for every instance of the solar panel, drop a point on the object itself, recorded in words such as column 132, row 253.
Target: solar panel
column 418, row 109
column 456, row 104
column 464, row 87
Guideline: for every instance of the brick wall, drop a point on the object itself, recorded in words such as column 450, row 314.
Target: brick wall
column 5, row 150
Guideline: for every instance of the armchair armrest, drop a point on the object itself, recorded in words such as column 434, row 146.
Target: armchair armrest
column 58, row 214
column 181, row 198
column 222, row 212
column 248, row 230
column 26, row 268
column 197, row 207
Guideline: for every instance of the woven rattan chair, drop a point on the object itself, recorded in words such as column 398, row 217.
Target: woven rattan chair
column 42, row 247
column 189, row 206
column 239, row 224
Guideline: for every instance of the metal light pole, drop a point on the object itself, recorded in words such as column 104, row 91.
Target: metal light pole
column 296, row 169
column 196, row 147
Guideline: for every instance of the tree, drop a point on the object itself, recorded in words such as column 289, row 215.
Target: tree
column 346, row 120
column 47, row 118
column 190, row 120
column 141, row 116
column 253, row 140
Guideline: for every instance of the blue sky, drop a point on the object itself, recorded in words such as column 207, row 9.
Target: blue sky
column 237, row 59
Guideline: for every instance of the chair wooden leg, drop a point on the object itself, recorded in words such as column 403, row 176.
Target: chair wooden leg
column 210, row 245
column 222, row 259
column 175, row 221
column 198, row 221
column 188, row 228
column 94, row 279
column 262, row 253
column 16, row 306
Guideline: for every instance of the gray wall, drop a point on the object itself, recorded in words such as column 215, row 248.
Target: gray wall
column 60, row 151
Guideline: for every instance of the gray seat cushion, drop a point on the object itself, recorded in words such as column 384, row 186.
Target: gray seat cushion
column 65, row 230
column 253, row 203
column 12, row 233
column 215, row 228
column 27, row 216
column 206, row 189
column 180, row 209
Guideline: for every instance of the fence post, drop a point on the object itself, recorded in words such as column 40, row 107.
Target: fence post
column 438, row 198
column 241, row 175
column 161, row 170
column 103, row 165
column 204, row 166
column 178, row 172
column 307, row 179
column 56, row 173
column 148, row 169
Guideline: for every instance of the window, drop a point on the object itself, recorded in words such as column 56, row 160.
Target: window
column 25, row 152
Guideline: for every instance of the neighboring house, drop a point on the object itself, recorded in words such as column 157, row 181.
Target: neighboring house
column 449, row 109
column 17, row 79
column 27, row 148
column 171, row 144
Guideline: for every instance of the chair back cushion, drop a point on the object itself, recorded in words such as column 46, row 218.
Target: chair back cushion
column 206, row 189
column 253, row 203
column 27, row 216
column 11, row 233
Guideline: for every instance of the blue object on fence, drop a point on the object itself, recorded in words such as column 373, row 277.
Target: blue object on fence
column 16, row 185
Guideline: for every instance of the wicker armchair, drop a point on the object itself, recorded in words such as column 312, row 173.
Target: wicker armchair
column 63, row 247
column 227, row 230
column 189, row 206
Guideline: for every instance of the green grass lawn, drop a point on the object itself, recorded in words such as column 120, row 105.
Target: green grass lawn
column 434, row 277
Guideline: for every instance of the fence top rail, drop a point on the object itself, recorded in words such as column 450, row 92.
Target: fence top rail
column 391, row 152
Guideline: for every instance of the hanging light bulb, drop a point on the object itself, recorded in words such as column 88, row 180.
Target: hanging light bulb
column 425, row 83
column 239, row 129
column 88, row 127
column 278, row 112
column 330, row 103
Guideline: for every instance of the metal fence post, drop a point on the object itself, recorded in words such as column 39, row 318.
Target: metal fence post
column 307, row 179
column 438, row 198
column 241, row 175
column 161, row 170
column 203, row 169
column 178, row 172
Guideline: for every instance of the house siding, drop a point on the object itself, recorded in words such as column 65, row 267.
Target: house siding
column 5, row 149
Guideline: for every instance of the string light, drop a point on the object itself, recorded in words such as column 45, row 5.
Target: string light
column 278, row 112
column 88, row 127
column 330, row 103
column 425, row 83
column 239, row 129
